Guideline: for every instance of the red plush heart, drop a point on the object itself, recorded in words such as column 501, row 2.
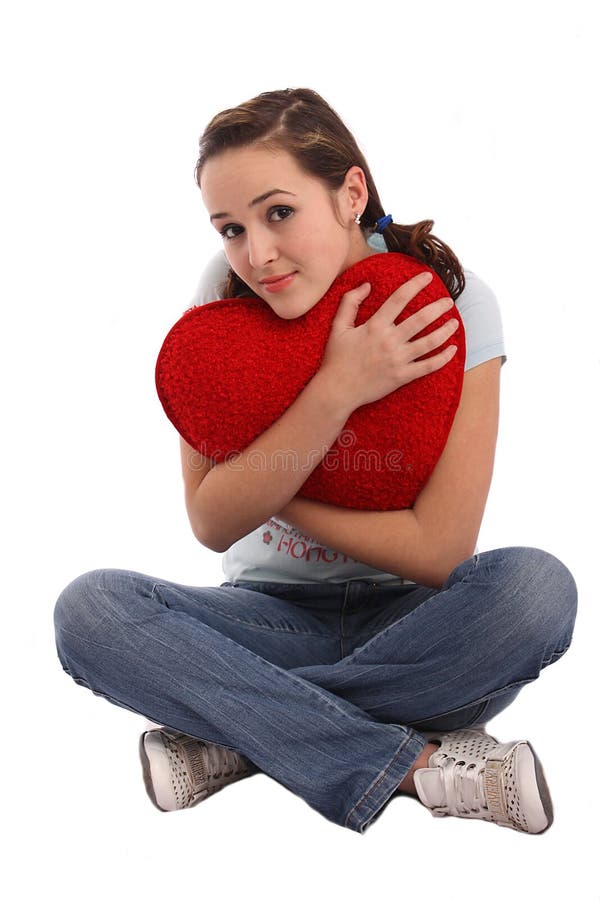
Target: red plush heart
column 229, row 369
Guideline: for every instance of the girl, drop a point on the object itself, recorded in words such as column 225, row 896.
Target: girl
column 351, row 655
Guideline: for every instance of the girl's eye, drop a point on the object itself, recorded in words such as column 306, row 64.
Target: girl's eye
column 283, row 211
column 225, row 231
column 229, row 232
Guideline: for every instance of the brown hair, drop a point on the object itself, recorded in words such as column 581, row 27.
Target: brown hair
column 300, row 122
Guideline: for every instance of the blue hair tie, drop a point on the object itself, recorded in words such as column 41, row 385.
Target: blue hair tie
column 382, row 223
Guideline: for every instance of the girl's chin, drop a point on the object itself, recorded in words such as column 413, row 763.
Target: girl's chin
column 291, row 310
column 291, row 305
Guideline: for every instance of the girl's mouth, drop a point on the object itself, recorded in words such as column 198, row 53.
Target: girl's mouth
column 280, row 284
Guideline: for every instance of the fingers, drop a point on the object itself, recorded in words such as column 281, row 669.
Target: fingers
column 424, row 317
column 420, row 320
column 434, row 339
column 395, row 303
column 348, row 307
column 433, row 363
column 431, row 342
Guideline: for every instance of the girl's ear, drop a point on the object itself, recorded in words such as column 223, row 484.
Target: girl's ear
column 354, row 195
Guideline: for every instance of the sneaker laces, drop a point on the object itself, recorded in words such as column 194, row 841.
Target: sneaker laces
column 463, row 786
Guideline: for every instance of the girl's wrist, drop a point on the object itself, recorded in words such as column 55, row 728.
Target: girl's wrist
column 338, row 404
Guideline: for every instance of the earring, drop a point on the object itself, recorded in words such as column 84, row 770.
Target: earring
column 357, row 218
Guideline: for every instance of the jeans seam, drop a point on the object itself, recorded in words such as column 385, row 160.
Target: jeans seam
column 365, row 798
column 546, row 661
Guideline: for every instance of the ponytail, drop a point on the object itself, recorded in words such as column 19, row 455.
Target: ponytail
column 417, row 241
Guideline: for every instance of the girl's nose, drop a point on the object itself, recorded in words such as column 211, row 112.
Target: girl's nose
column 261, row 247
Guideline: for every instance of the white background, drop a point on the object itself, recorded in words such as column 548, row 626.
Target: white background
column 481, row 116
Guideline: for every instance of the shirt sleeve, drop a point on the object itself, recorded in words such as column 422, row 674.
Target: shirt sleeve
column 211, row 284
column 480, row 312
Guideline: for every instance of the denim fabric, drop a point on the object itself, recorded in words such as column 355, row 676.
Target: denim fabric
column 324, row 687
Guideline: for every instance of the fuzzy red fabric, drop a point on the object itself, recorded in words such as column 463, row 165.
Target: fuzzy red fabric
column 229, row 369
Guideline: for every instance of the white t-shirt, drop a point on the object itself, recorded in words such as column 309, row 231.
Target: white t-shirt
column 278, row 552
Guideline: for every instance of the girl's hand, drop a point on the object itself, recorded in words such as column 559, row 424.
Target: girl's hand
column 369, row 362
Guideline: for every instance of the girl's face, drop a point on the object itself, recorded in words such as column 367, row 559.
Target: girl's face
column 278, row 222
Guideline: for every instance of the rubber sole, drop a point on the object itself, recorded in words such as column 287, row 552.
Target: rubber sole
column 147, row 774
column 543, row 789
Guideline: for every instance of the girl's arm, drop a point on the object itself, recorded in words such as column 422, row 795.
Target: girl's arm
column 423, row 544
column 227, row 501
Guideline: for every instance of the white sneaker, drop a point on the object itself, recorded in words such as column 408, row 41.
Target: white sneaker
column 473, row 776
column 180, row 771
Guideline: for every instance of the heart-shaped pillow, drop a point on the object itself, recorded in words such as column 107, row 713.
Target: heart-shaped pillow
column 229, row 369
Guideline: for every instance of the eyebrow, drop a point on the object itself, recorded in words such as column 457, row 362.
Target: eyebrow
column 265, row 196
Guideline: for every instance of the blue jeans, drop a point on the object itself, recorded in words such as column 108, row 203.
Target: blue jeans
column 323, row 687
